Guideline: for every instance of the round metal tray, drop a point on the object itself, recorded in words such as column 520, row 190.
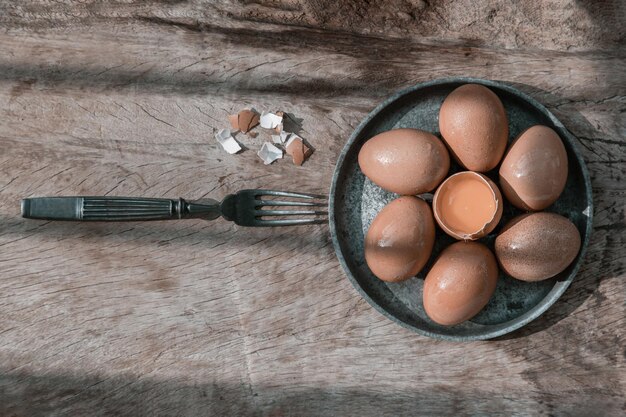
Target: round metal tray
column 355, row 201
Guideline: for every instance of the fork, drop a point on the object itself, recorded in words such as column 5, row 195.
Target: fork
column 245, row 208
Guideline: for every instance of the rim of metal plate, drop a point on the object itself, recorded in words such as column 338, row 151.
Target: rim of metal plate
column 553, row 296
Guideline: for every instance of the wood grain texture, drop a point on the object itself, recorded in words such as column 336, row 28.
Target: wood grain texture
column 197, row 318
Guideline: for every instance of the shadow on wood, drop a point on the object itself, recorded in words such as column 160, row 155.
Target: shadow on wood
column 170, row 234
column 65, row 394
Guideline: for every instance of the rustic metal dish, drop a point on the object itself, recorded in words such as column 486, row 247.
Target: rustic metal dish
column 355, row 201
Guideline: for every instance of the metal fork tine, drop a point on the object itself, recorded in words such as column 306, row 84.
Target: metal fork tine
column 289, row 203
column 253, row 208
column 290, row 194
column 289, row 222
column 289, row 212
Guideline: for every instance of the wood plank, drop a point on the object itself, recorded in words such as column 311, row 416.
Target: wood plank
column 196, row 318
column 558, row 25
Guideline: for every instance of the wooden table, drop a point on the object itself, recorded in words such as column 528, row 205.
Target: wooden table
column 206, row 318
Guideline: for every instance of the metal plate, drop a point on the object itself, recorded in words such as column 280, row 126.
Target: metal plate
column 355, row 201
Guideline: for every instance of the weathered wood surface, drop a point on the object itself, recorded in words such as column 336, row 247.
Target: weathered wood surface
column 198, row 318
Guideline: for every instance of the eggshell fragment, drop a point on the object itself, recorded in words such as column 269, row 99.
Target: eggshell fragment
column 247, row 120
column 534, row 170
column 270, row 120
column 225, row 138
column 405, row 161
column 537, row 246
column 234, row 121
column 400, row 239
column 460, row 283
column 467, row 205
column 269, row 153
column 474, row 125
column 298, row 150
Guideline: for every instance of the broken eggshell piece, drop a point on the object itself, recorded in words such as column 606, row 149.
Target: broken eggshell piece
column 225, row 138
column 467, row 205
column 247, row 120
column 281, row 138
column 270, row 120
column 269, row 153
column 234, row 121
column 298, row 150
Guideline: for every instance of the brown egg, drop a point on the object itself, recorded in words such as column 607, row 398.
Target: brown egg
column 460, row 283
column 405, row 161
column 400, row 239
column 473, row 123
column 467, row 205
column 534, row 170
column 537, row 246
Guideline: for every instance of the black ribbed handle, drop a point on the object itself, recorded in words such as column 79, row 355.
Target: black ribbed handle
column 115, row 209
column 102, row 208
column 122, row 208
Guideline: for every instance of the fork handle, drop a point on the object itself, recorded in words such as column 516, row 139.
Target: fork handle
column 115, row 209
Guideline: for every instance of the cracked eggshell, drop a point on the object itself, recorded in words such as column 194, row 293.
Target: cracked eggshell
column 298, row 149
column 400, row 239
column 534, row 170
column 234, row 121
column 247, row 120
column 474, row 125
column 468, row 205
column 405, row 161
